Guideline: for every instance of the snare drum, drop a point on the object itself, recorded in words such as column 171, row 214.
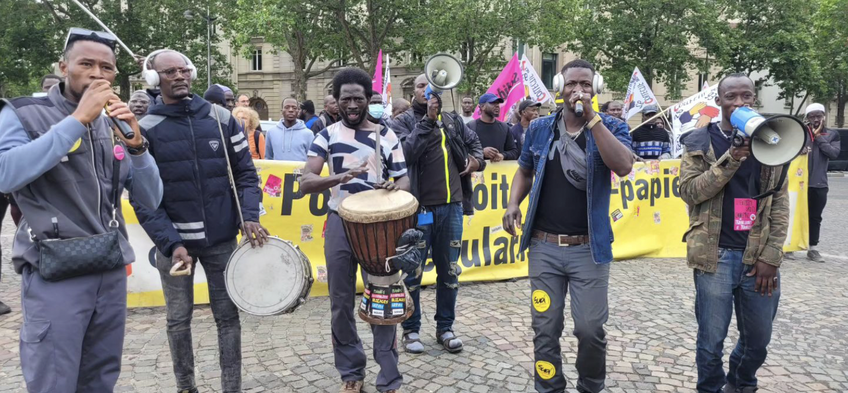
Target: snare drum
column 273, row 279
column 373, row 222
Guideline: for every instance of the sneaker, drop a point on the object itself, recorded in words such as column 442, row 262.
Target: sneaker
column 815, row 256
column 392, row 391
column 789, row 256
column 192, row 390
column 4, row 309
column 351, row 387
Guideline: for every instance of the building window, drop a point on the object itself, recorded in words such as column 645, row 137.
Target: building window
column 256, row 61
column 549, row 68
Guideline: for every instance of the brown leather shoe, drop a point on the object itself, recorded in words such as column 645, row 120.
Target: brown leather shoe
column 351, row 387
column 392, row 391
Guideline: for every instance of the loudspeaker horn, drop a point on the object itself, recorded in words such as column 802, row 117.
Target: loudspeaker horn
column 775, row 141
column 443, row 72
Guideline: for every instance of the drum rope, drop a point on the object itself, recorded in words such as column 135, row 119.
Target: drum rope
column 401, row 251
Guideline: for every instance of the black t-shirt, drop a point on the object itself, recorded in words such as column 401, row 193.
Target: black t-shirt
column 745, row 183
column 491, row 134
column 563, row 209
column 496, row 135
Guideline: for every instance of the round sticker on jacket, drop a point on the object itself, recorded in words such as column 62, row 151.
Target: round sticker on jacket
column 119, row 152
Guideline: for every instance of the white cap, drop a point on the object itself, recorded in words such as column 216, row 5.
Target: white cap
column 816, row 107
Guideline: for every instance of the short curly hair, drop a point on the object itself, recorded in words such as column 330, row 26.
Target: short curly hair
column 352, row 75
column 252, row 116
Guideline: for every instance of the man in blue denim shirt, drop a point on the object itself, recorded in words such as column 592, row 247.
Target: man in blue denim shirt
column 568, row 229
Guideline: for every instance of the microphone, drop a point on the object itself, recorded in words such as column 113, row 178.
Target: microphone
column 578, row 108
column 122, row 126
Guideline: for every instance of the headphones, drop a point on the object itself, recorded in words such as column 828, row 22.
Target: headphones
column 597, row 83
column 152, row 77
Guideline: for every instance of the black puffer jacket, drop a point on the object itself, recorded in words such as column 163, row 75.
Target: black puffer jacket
column 197, row 209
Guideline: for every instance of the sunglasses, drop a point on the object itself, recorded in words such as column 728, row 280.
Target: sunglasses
column 76, row 34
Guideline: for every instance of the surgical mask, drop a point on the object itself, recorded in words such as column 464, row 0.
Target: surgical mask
column 376, row 110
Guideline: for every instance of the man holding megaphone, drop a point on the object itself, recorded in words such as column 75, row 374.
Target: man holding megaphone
column 739, row 216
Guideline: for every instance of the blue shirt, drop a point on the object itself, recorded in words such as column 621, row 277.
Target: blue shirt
column 537, row 144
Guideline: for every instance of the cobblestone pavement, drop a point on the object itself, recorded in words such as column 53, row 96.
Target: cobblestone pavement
column 651, row 333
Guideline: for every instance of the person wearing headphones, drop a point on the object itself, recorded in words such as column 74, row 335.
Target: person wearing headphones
column 198, row 219
column 67, row 167
column 565, row 165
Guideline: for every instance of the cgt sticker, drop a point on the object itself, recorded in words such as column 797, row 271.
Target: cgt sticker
column 541, row 300
column 545, row 370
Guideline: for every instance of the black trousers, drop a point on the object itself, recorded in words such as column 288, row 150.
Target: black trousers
column 816, row 199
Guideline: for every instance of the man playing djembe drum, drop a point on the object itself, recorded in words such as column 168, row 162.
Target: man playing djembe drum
column 348, row 147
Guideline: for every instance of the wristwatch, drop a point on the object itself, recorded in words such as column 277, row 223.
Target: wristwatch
column 595, row 120
column 137, row 151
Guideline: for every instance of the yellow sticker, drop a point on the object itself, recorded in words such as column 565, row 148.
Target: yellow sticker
column 545, row 370
column 541, row 300
column 76, row 145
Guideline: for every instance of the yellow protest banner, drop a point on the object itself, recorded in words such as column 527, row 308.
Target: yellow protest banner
column 647, row 215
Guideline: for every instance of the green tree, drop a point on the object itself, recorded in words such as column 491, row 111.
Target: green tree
column 144, row 25
column 364, row 27
column 658, row 36
column 480, row 32
column 773, row 36
column 300, row 28
column 28, row 47
column 831, row 51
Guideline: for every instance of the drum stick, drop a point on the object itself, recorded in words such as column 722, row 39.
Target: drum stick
column 99, row 22
column 379, row 156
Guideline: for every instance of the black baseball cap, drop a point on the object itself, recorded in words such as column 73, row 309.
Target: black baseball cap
column 527, row 103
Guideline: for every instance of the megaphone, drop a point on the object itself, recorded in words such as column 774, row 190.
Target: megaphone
column 774, row 141
column 443, row 72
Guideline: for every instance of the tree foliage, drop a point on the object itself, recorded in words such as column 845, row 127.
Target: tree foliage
column 28, row 46
column 831, row 52
column 773, row 36
column 658, row 36
column 144, row 25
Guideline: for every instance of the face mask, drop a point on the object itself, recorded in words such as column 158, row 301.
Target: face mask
column 376, row 110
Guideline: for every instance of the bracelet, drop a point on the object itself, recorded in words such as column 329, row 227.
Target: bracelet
column 595, row 120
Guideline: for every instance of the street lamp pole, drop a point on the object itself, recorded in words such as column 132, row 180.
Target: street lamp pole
column 208, row 48
column 189, row 14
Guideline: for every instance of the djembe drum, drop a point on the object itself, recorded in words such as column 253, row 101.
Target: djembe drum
column 373, row 222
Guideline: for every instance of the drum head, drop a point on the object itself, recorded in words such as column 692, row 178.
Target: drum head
column 378, row 206
column 268, row 280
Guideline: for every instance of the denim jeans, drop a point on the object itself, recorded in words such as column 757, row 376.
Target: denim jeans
column 554, row 271
column 179, row 299
column 716, row 295
column 444, row 238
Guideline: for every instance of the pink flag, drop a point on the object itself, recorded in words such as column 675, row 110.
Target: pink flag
column 377, row 82
column 509, row 86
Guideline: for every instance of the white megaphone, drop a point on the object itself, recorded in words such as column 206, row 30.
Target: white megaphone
column 443, row 72
column 774, row 141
